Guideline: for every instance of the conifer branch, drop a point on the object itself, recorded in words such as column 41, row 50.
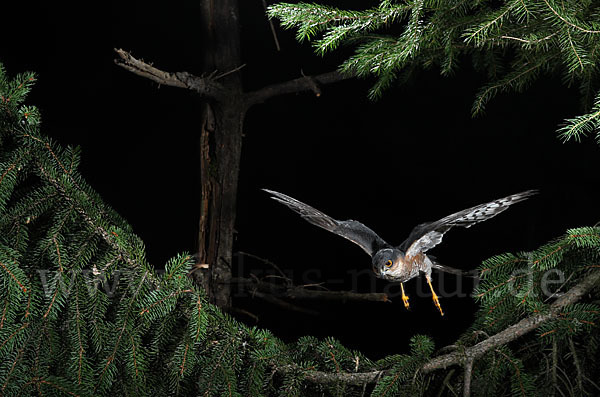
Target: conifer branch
column 565, row 20
column 517, row 330
column 528, row 42
column 530, row 38
column 331, row 378
column 63, row 191
column 467, row 355
column 106, row 235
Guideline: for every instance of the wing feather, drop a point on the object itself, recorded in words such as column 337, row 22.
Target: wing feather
column 427, row 235
column 352, row 230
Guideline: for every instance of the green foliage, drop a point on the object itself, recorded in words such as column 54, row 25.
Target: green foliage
column 513, row 286
column 513, row 42
column 403, row 377
column 82, row 313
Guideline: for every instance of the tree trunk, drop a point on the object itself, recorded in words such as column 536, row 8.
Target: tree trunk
column 221, row 118
column 220, row 148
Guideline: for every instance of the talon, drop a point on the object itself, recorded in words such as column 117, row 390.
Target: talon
column 436, row 301
column 404, row 297
column 405, row 300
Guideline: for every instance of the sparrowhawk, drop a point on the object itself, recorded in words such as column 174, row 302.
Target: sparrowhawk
column 407, row 260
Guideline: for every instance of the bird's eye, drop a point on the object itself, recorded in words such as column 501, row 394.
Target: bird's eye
column 389, row 263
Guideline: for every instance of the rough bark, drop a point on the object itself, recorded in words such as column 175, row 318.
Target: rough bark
column 220, row 146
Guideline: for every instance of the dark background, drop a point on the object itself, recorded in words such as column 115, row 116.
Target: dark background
column 416, row 155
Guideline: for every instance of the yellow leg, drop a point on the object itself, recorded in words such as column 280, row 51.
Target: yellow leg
column 404, row 297
column 436, row 301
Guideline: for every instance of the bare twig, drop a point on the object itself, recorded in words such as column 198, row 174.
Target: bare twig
column 566, row 381
column 220, row 76
column 591, row 382
column 557, row 293
column 265, row 261
column 238, row 310
column 273, row 32
column 529, row 41
column 446, row 384
column 283, row 304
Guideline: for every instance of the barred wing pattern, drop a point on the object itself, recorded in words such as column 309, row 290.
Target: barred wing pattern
column 427, row 235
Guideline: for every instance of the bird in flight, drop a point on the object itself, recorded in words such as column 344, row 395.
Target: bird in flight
column 407, row 260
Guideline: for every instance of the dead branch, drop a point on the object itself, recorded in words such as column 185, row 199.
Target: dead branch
column 273, row 31
column 141, row 68
column 301, row 84
column 220, row 76
column 265, row 261
column 299, row 292
column 206, row 87
column 237, row 310
column 289, row 291
column 284, row 304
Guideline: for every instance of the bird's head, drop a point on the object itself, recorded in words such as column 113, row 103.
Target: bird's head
column 388, row 263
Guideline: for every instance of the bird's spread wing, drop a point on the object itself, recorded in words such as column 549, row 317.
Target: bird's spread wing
column 427, row 235
column 354, row 231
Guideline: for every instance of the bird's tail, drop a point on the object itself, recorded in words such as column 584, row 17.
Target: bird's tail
column 466, row 273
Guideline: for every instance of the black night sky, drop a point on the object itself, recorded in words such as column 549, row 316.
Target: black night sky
column 416, row 155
